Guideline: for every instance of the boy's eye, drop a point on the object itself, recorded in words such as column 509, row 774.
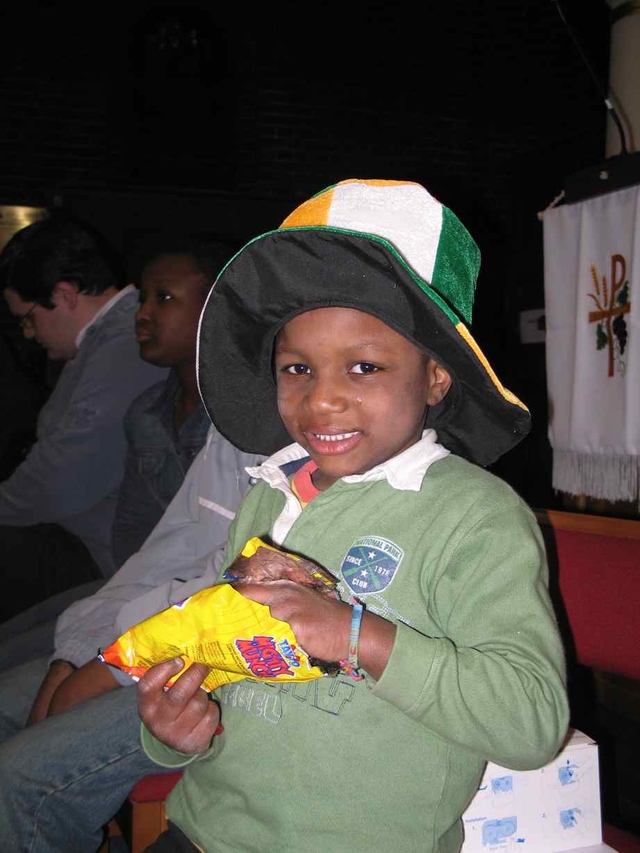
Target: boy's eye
column 296, row 369
column 163, row 296
column 364, row 367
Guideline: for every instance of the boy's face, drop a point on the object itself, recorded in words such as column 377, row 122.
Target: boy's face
column 353, row 392
column 172, row 293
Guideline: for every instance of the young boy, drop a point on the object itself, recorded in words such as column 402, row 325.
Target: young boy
column 342, row 328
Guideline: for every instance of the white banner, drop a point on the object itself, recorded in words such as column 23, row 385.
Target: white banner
column 592, row 301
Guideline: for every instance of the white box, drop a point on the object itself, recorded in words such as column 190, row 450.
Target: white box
column 549, row 810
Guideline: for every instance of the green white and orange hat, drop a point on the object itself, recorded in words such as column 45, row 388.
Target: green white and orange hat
column 388, row 248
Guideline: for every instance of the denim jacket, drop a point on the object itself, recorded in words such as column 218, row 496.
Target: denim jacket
column 158, row 458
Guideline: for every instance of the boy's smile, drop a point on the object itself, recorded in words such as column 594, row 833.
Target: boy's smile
column 329, row 443
column 351, row 390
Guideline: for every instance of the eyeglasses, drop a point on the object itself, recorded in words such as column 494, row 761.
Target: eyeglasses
column 26, row 320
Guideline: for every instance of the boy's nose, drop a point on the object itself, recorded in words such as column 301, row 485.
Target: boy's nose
column 28, row 331
column 143, row 312
column 327, row 394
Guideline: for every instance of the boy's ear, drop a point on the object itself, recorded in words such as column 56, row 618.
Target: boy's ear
column 66, row 293
column 439, row 383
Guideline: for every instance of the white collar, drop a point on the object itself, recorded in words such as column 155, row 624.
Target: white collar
column 404, row 472
column 106, row 307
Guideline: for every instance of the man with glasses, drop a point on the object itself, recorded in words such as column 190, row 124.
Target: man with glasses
column 26, row 321
column 62, row 283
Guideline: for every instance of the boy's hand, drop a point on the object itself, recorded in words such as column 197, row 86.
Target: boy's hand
column 182, row 716
column 320, row 623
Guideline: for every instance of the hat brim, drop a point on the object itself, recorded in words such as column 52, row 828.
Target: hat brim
column 285, row 273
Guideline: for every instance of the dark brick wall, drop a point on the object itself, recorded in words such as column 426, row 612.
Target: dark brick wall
column 276, row 104
column 225, row 123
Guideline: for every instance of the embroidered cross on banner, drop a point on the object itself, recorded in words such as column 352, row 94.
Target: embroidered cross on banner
column 611, row 309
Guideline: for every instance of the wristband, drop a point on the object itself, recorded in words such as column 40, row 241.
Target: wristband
column 350, row 665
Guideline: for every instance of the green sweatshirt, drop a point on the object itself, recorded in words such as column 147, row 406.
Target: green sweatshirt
column 454, row 557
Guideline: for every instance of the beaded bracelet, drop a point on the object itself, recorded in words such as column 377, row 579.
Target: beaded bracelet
column 350, row 665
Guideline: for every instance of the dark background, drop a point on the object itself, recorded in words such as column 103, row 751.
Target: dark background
column 220, row 118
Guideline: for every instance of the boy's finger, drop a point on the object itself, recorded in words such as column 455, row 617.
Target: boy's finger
column 208, row 724
column 254, row 591
column 187, row 686
column 265, row 593
column 199, row 736
column 157, row 676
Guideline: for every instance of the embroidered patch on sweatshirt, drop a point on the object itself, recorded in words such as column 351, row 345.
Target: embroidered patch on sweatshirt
column 370, row 564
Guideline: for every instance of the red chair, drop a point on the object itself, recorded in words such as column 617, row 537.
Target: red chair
column 146, row 815
column 596, row 563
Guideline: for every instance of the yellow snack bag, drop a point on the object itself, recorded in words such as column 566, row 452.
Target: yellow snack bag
column 218, row 626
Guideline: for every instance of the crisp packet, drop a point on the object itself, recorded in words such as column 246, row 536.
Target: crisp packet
column 217, row 626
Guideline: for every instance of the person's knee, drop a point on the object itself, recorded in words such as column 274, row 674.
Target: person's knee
column 19, row 757
column 19, row 686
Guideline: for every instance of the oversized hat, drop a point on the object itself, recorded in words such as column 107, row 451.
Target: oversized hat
column 387, row 248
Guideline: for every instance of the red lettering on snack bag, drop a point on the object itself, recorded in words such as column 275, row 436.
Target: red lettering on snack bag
column 263, row 658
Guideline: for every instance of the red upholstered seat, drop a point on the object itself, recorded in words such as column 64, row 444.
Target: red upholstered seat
column 154, row 788
column 148, row 817
column 599, row 579
column 598, row 563
column 623, row 842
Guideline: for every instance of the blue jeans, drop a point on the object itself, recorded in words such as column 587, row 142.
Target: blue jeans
column 63, row 779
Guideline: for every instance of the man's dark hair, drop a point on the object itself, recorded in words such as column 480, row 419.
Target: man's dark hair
column 58, row 248
column 209, row 254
